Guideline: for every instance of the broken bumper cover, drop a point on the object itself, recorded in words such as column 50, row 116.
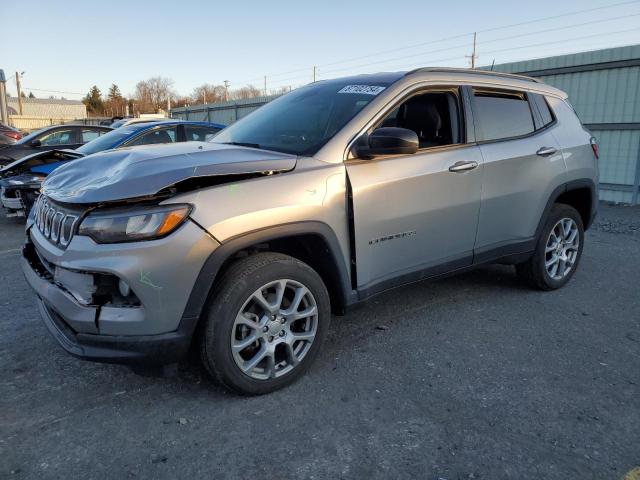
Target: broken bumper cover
column 154, row 331
column 134, row 349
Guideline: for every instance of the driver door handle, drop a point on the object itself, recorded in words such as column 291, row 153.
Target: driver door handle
column 463, row 166
column 546, row 151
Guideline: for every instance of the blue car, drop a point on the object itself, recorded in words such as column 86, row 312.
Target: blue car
column 20, row 181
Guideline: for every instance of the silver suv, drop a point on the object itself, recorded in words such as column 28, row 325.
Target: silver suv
column 243, row 247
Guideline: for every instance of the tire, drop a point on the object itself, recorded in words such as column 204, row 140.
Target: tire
column 535, row 271
column 248, row 308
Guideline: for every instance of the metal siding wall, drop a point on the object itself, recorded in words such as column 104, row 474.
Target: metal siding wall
column 601, row 96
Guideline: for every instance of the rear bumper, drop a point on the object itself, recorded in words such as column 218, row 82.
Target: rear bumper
column 10, row 202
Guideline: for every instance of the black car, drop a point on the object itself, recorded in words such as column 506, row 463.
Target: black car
column 51, row 138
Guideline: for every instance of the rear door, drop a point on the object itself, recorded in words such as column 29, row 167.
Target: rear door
column 523, row 164
column 417, row 214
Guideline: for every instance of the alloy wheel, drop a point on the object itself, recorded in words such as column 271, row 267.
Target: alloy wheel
column 561, row 251
column 274, row 329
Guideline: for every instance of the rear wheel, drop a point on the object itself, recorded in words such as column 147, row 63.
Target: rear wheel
column 557, row 252
column 265, row 323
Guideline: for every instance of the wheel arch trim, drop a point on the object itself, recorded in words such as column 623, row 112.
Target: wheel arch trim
column 209, row 272
column 567, row 187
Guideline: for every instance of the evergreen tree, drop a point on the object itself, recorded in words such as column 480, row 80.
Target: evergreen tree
column 93, row 101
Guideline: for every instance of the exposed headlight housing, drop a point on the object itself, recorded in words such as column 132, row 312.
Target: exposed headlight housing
column 121, row 225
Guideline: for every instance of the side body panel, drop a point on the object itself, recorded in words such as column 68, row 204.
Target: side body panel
column 575, row 142
column 412, row 213
column 516, row 186
column 314, row 191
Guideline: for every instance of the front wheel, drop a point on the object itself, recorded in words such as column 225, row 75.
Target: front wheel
column 265, row 324
column 558, row 250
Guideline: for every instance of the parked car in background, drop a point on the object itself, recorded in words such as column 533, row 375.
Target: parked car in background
column 324, row 197
column 9, row 135
column 20, row 181
column 129, row 121
column 51, row 138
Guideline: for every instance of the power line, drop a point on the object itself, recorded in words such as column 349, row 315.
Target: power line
column 51, row 91
column 431, row 42
column 483, row 42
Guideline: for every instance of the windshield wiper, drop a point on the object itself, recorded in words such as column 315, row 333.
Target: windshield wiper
column 243, row 144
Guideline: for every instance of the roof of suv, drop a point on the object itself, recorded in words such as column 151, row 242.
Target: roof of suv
column 464, row 75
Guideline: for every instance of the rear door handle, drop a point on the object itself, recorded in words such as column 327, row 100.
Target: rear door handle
column 463, row 166
column 546, row 151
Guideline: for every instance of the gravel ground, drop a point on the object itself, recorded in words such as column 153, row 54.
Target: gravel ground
column 472, row 377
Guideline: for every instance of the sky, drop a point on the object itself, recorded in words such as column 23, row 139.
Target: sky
column 68, row 46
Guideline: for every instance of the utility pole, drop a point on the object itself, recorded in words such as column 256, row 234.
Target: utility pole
column 226, row 90
column 473, row 55
column 204, row 96
column 4, row 114
column 265, row 85
column 314, row 72
column 19, row 92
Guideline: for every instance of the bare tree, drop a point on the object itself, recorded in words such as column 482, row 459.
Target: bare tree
column 249, row 91
column 208, row 93
column 151, row 95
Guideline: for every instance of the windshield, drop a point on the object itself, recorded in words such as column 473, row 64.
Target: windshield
column 302, row 121
column 106, row 141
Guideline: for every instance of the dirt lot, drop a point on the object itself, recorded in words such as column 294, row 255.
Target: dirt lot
column 472, row 377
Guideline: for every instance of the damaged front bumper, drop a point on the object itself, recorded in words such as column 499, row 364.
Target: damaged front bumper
column 89, row 325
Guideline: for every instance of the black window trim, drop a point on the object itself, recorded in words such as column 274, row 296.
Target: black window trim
column 542, row 98
column 467, row 135
column 536, row 131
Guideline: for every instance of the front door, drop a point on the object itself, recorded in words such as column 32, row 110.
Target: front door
column 416, row 215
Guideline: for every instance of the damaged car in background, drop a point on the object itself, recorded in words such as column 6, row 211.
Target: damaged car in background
column 21, row 180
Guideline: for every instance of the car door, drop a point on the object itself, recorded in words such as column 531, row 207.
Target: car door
column 523, row 164
column 416, row 215
column 59, row 138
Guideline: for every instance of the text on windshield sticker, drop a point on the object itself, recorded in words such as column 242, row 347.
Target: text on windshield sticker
column 362, row 89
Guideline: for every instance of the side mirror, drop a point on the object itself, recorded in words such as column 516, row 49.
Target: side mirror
column 390, row 141
column 36, row 143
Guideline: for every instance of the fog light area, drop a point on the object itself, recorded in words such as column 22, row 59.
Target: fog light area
column 96, row 288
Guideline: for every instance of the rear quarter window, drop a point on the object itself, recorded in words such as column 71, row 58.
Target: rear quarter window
column 502, row 115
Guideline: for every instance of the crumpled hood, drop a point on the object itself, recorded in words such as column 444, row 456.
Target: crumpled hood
column 142, row 171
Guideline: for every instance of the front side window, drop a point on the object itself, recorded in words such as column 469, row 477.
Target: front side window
column 304, row 120
column 156, row 136
column 59, row 137
column 502, row 114
column 199, row 134
column 433, row 116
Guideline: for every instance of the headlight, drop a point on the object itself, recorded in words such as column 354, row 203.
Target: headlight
column 133, row 224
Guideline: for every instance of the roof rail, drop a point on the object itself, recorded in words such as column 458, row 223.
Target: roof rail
column 470, row 71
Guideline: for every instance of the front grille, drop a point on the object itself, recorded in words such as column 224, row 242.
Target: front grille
column 58, row 224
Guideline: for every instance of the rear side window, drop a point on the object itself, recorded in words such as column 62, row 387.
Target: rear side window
column 154, row 137
column 88, row 135
column 502, row 114
column 545, row 115
column 199, row 134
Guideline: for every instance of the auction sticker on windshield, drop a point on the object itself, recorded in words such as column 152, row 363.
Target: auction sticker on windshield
column 362, row 89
